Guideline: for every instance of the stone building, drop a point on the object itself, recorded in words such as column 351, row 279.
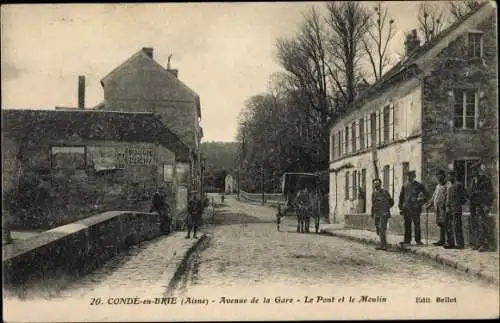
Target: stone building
column 435, row 109
column 141, row 84
column 73, row 163
column 230, row 184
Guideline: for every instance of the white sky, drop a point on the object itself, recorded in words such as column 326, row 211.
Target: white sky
column 224, row 51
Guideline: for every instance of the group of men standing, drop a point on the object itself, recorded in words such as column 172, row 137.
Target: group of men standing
column 195, row 209
column 447, row 201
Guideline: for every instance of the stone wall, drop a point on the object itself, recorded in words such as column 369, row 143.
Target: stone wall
column 71, row 194
column 76, row 248
column 142, row 85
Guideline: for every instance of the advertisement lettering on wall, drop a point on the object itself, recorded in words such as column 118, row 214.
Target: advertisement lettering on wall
column 120, row 157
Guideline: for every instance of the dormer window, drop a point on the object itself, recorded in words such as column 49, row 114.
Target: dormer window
column 475, row 44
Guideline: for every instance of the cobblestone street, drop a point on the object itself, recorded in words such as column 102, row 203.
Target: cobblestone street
column 248, row 255
column 244, row 257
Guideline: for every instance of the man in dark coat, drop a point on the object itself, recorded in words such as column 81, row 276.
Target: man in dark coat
column 159, row 204
column 381, row 206
column 455, row 199
column 481, row 198
column 413, row 195
column 195, row 210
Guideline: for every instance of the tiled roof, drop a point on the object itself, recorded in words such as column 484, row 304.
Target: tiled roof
column 167, row 73
column 409, row 62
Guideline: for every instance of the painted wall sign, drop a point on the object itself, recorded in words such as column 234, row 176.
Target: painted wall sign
column 119, row 157
column 136, row 156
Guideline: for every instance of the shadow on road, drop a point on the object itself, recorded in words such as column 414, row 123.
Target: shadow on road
column 227, row 217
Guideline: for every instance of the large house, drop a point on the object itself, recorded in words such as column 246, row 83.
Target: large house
column 141, row 84
column 435, row 109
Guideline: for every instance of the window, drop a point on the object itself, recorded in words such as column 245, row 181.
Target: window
column 386, row 124
column 388, row 179
column 332, row 147
column 68, row 157
column 168, row 172
column 406, row 169
column 353, row 137
column 339, row 135
column 362, row 184
column 379, row 127
column 463, row 169
column 373, row 128
column 465, row 109
column 346, row 131
column 354, row 185
column 346, row 187
column 361, row 133
column 474, row 45
column 385, row 178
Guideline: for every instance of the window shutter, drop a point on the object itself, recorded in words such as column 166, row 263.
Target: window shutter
column 476, row 110
column 391, row 122
column 378, row 129
column 358, row 133
column 346, row 187
column 391, row 179
column 395, row 126
column 368, row 131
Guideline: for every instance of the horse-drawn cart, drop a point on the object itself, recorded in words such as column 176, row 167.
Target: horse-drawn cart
column 301, row 197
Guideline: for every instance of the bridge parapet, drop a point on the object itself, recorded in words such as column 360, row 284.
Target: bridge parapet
column 77, row 248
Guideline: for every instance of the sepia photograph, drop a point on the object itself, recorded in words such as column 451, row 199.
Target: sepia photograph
column 235, row 161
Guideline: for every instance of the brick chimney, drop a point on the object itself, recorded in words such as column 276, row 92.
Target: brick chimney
column 81, row 92
column 148, row 51
column 175, row 72
column 412, row 42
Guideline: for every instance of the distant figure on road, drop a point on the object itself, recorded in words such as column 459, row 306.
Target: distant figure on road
column 195, row 210
column 455, row 199
column 222, row 198
column 381, row 206
column 413, row 196
column 159, row 204
column 438, row 201
column 481, row 198
column 304, row 209
column 279, row 215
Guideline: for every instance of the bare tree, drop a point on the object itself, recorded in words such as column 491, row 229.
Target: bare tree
column 347, row 24
column 430, row 20
column 305, row 60
column 377, row 38
column 459, row 9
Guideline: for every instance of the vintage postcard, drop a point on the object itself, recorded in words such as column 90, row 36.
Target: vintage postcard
column 250, row 161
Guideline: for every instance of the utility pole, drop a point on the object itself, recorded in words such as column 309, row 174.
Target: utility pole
column 263, row 197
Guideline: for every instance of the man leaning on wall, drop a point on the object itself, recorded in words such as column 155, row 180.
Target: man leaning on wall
column 160, row 205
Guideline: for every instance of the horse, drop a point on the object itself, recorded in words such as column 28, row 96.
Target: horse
column 307, row 207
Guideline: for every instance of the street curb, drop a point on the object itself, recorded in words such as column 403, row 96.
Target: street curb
column 426, row 254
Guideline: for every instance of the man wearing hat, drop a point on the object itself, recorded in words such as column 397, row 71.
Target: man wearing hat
column 413, row 195
column 195, row 209
column 481, row 198
column 381, row 211
column 455, row 199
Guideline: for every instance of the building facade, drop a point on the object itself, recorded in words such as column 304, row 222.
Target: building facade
column 436, row 109
column 63, row 165
column 230, row 184
column 141, row 84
